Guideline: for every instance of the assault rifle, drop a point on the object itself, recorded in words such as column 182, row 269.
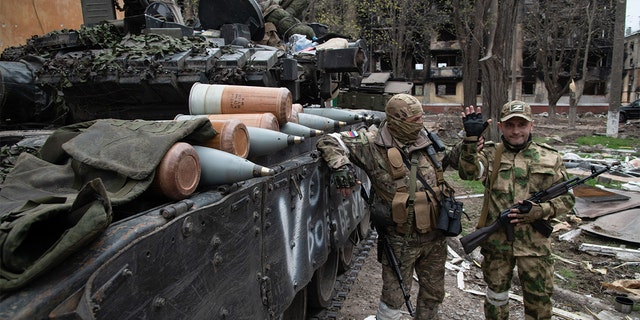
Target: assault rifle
column 474, row 239
column 391, row 256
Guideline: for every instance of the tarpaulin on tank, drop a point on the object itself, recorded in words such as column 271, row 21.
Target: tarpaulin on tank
column 51, row 206
column 21, row 99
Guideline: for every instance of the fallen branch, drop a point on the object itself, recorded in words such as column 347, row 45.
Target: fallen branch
column 580, row 299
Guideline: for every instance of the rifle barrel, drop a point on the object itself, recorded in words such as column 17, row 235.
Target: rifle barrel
column 395, row 265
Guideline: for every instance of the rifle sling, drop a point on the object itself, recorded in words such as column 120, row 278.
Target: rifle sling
column 420, row 177
column 482, row 221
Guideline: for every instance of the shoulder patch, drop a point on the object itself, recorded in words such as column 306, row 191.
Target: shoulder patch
column 350, row 134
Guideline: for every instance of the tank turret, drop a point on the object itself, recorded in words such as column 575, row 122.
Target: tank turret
column 145, row 65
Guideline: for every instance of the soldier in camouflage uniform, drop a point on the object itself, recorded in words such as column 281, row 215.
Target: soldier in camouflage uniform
column 286, row 15
column 410, row 229
column 523, row 168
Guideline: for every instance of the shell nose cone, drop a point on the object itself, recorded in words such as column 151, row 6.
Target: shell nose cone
column 260, row 171
column 295, row 139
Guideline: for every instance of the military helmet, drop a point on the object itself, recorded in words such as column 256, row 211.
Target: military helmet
column 402, row 106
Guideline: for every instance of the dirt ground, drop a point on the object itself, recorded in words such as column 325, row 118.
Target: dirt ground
column 578, row 286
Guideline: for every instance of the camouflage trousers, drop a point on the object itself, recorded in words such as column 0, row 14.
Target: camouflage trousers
column 426, row 254
column 536, row 278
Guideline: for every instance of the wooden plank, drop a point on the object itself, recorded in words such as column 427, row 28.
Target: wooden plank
column 607, row 251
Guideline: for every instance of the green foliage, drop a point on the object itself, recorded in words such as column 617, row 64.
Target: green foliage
column 609, row 142
column 340, row 16
column 398, row 29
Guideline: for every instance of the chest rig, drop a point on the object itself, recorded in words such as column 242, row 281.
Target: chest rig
column 410, row 205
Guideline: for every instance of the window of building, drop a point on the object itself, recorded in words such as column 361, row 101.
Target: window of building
column 528, row 87
column 418, row 90
column 443, row 61
column 445, row 88
column 528, row 61
column 593, row 88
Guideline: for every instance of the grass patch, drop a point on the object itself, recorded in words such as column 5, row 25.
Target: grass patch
column 609, row 142
column 566, row 273
column 569, row 276
column 473, row 186
column 610, row 184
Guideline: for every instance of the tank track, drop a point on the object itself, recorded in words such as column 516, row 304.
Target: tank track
column 345, row 280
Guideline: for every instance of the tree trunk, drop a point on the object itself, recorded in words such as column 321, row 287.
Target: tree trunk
column 469, row 33
column 615, row 92
column 578, row 86
column 496, row 68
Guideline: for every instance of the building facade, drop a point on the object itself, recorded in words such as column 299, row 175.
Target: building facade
column 438, row 81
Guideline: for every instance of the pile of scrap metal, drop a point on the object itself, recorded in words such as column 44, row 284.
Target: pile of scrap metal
column 629, row 168
column 609, row 212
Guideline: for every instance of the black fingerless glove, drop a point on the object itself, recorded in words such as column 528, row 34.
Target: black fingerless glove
column 344, row 177
column 473, row 124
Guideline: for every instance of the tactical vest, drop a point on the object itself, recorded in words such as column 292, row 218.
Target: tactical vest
column 408, row 205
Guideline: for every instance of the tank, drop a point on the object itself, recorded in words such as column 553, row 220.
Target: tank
column 268, row 246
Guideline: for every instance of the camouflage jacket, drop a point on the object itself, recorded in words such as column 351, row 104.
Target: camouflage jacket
column 535, row 168
column 367, row 148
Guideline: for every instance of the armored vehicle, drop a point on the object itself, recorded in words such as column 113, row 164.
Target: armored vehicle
column 268, row 247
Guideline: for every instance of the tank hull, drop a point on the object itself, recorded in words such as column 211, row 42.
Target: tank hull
column 241, row 252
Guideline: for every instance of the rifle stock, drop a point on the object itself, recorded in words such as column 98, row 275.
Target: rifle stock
column 476, row 238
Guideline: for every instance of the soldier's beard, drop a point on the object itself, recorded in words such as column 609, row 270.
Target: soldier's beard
column 405, row 132
column 516, row 147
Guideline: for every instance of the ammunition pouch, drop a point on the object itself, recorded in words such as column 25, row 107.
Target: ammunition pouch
column 424, row 209
column 426, row 213
column 400, row 208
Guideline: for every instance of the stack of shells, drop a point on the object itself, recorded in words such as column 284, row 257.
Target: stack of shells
column 250, row 122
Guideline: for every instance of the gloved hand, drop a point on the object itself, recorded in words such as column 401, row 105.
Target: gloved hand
column 344, row 177
column 534, row 212
column 473, row 124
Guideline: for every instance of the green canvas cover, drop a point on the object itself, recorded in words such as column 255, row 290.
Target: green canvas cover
column 53, row 205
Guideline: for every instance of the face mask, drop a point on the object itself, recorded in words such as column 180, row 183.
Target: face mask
column 405, row 132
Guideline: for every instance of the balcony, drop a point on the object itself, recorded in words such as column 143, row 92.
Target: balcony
column 445, row 45
column 446, row 72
